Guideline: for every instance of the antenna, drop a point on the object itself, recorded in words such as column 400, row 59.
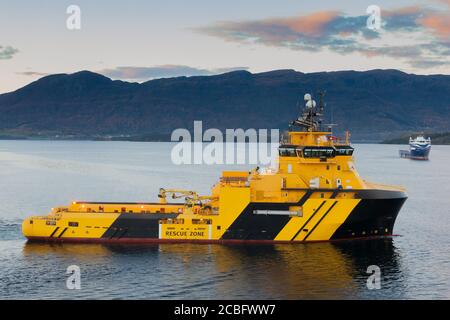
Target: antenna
column 322, row 106
column 331, row 114
column 321, row 102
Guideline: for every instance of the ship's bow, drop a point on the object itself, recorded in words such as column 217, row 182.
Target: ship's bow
column 374, row 215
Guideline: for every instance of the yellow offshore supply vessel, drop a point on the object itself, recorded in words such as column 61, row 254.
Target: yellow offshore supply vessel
column 315, row 194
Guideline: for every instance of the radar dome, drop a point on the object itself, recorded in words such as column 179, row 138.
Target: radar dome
column 311, row 104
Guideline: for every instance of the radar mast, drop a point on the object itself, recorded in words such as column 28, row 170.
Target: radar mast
column 310, row 118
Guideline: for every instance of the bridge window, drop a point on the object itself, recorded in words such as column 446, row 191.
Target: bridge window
column 344, row 151
column 318, row 152
column 287, row 152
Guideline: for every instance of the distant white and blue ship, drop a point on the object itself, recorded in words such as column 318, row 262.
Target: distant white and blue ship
column 419, row 148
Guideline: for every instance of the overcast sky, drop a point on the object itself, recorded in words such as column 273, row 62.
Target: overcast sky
column 137, row 40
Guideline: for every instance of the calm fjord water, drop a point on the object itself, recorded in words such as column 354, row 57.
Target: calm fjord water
column 37, row 175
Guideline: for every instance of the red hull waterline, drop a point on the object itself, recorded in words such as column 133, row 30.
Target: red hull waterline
column 157, row 241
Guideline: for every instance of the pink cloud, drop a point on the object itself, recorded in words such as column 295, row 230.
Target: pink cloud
column 311, row 25
column 341, row 33
column 438, row 23
column 411, row 10
column 447, row 2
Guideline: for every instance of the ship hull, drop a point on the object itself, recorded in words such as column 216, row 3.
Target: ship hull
column 419, row 152
column 371, row 214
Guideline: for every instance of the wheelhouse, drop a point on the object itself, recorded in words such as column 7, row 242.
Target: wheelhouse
column 319, row 152
column 315, row 151
column 306, row 152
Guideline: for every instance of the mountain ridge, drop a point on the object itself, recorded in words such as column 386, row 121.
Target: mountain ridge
column 373, row 104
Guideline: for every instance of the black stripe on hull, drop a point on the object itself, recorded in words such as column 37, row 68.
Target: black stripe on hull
column 370, row 217
column 359, row 193
column 320, row 220
column 380, row 194
column 54, row 231
column 135, row 225
column 250, row 226
column 307, row 221
column 62, row 233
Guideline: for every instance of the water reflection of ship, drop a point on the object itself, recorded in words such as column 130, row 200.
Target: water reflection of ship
column 323, row 270
column 318, row 271
column 80, row 253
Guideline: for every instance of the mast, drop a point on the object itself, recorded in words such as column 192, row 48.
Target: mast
column 310, row 119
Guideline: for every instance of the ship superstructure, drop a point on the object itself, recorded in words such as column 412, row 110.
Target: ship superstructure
column 315, row 194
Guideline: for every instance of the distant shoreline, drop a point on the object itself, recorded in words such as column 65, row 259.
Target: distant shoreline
column 125, row 140
column 436, row 138
column 134, row 140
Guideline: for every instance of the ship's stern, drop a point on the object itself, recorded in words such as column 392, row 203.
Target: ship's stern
column 27, row 227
